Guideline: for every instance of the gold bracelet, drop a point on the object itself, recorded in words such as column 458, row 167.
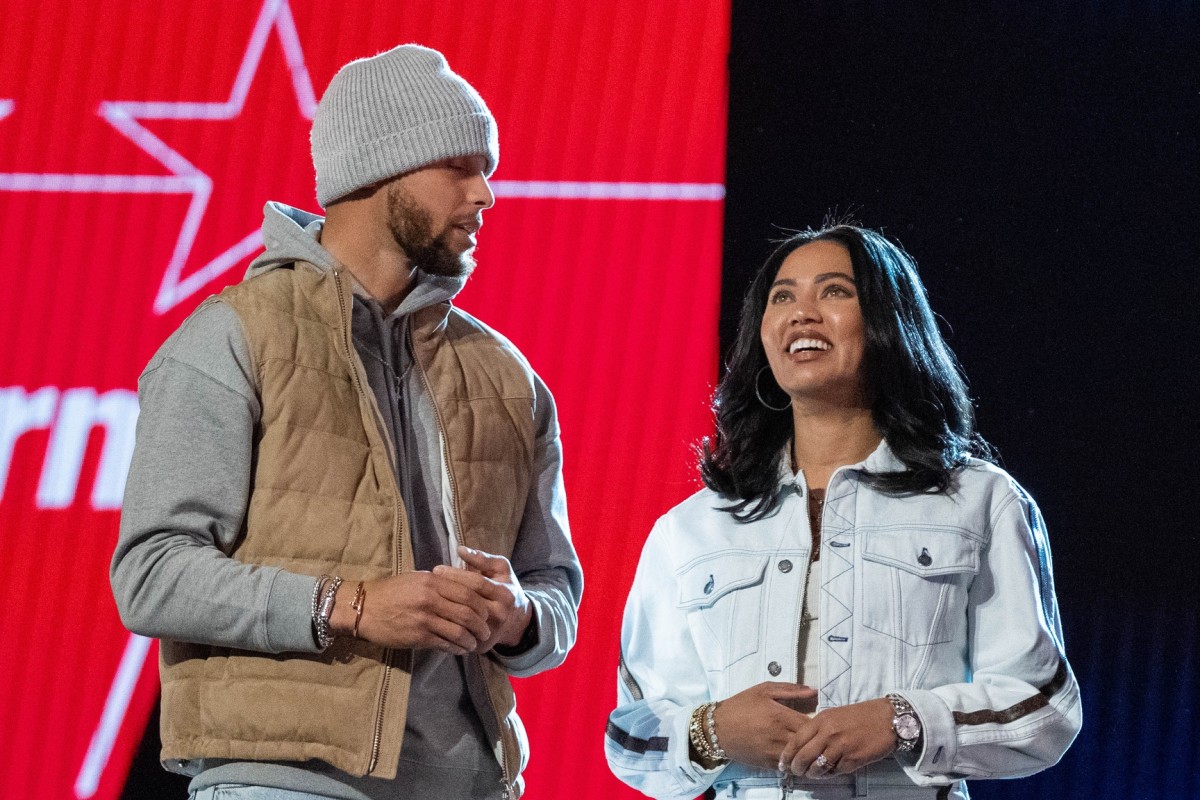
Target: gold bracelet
column 699, row 736
column 360, row 598
column 696, row 731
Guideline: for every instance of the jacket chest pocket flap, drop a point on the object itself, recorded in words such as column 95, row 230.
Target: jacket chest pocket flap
column 916, row 581
column 723, row 595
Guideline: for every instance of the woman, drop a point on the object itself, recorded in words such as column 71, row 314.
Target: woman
column 851, row 556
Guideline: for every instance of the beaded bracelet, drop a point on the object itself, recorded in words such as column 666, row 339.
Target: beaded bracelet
column 315, row 611
column 710, row 728
column 701, row 734
column 324, row 635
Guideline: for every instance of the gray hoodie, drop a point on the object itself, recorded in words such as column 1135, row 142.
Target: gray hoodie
column 187, row 494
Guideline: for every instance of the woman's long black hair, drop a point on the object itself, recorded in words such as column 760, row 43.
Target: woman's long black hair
column 919, row 397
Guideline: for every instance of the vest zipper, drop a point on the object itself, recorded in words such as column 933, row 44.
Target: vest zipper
column 507, row 780
column 377, row 735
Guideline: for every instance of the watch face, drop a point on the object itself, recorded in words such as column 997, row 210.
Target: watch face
column 907, row 727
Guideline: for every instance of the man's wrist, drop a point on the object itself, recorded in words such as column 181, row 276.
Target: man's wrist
column 324, row 598
column 341, row 620
column 529, row 639
column 333, row 614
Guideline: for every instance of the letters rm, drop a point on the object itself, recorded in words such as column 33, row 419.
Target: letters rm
column 70, row 415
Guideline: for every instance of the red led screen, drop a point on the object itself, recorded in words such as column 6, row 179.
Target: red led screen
column 138, row 143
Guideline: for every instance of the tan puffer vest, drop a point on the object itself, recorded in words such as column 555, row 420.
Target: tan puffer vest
column 325, row 500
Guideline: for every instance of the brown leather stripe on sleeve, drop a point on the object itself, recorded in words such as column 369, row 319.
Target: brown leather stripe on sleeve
column 1021, row 709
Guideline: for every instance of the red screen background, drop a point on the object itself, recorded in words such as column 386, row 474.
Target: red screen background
column 138, row 143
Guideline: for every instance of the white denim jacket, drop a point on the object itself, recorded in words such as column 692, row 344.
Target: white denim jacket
column 946, row 599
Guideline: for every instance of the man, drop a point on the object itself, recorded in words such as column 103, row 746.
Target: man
column 345, row 515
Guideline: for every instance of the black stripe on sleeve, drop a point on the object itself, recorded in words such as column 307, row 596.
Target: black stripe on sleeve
column 655, row 744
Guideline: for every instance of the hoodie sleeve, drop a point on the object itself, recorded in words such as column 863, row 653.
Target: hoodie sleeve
column 544, row 558
column 186, row 498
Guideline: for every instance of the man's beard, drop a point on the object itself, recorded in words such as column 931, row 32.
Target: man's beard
column 412, row 228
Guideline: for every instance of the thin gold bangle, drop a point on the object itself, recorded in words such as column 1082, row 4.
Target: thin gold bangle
column 360, row 599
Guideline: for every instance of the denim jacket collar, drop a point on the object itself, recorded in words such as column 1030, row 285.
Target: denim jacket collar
column 881, row 459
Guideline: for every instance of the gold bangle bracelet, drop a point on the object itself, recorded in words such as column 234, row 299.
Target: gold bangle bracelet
column 360, row 599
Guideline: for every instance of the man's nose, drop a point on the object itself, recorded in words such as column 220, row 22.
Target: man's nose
column 481, row 192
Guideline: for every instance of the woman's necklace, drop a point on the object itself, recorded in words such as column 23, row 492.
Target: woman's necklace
column 816, row 504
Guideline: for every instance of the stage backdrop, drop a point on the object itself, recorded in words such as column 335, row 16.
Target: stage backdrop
column 138, row 143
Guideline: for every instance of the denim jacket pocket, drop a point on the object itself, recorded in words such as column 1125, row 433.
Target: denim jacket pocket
column 723, row 597
column 917, row 581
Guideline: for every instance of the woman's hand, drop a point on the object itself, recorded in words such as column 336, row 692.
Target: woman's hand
column 754, row 725
column 849, row 737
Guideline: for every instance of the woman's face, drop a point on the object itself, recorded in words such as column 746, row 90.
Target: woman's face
column 812, row 329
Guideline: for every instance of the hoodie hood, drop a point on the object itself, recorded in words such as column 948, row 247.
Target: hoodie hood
column 289, row 235
column 292, row 235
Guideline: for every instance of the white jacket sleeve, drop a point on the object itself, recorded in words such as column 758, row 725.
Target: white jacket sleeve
column 1021, row 709
column 646, row 741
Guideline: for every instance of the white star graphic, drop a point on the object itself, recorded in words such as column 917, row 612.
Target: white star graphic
column 125, row 115
column 184, row 177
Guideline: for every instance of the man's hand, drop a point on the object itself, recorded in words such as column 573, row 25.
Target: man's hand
column 849, row 737
column 492, row 579
column 755, row 724
column 416, row 609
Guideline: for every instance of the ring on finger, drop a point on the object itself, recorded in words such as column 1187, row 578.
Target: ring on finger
column 823, row 763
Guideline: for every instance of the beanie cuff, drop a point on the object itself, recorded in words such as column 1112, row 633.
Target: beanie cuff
column 340, row 173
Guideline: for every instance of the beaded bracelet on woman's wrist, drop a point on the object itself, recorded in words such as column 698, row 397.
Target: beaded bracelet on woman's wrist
column 703, row 737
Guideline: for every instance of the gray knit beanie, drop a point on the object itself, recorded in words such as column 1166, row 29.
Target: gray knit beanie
column 392, row 113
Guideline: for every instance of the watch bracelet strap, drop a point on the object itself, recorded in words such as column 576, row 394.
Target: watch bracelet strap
column 900, row 707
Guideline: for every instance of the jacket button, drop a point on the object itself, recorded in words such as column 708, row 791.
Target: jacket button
column 924, row 559
column 774, row 668
column 785, row 566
